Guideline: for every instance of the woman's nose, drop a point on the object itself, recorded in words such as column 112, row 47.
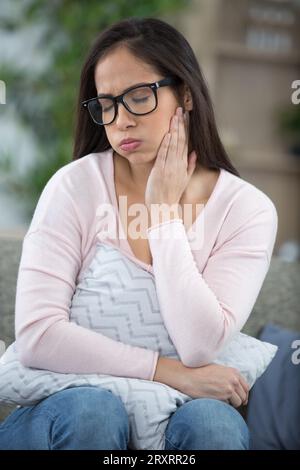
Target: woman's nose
column 124, row 117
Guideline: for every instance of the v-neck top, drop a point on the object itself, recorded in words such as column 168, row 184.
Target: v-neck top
column 126, row 244
column 207, row 278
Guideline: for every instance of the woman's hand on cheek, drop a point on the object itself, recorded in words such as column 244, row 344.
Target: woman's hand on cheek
column 173, row 167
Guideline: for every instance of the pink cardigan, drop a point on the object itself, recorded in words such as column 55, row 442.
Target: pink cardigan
column 206, row 290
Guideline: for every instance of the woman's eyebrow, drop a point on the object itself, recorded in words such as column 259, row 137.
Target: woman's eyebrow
column 124, row 91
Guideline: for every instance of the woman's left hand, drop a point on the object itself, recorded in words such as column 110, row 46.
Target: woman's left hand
column 172, row 168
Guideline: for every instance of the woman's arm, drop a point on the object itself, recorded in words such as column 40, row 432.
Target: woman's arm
column 171, row 372
column 202, row 311
column 210, row 381
column 50, row 261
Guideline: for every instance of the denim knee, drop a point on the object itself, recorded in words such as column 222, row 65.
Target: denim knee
column 207, row 423
column 88, row 418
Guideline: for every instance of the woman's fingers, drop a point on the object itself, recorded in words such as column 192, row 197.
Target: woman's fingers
column 163, row 151
column 239, row 395
column 172, row 151
column 242, row 393
column 182, row 138
column 244, row 383
column 235, row 400
column 245, row 386
column 174, row 146
column 187, row 120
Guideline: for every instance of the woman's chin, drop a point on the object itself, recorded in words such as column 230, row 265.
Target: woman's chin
column 140, row 156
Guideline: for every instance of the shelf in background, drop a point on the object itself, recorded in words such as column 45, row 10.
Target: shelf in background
column 241, row 51
column 266, row 162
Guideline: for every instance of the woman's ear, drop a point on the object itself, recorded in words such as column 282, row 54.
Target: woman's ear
column 187, row 100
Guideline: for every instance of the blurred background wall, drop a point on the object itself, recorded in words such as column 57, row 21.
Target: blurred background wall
column 249, row 51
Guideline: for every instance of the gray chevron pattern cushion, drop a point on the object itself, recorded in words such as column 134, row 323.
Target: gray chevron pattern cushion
column 117, row 298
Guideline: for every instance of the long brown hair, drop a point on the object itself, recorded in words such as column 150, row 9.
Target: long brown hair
column 169, row 53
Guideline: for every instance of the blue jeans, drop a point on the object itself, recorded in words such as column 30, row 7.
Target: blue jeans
column 94, row 418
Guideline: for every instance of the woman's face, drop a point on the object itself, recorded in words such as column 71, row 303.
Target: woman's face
column 117, row 72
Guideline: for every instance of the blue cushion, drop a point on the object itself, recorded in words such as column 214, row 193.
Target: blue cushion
column 273, row 414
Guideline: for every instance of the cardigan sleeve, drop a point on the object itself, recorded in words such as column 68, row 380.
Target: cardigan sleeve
column 203, row 310
column 50, row 261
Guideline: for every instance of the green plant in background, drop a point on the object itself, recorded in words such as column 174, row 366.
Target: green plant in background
column 46, row 102
column 289, row 127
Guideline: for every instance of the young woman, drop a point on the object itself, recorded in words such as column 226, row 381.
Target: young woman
column 141, row 82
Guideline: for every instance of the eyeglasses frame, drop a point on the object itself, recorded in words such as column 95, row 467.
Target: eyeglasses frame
column 120, row 98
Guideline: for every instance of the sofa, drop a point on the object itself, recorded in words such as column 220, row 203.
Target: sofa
column 277, row 303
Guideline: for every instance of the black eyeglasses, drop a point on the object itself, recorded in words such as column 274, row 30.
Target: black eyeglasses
column 138, row 100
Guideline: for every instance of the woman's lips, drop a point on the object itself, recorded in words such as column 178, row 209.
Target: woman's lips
column 131, row 145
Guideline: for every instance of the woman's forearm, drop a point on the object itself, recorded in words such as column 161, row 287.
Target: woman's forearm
column 171, row 372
